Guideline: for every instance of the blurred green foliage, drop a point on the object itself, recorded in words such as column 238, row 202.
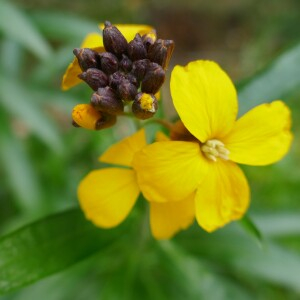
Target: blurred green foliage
column 43, row 158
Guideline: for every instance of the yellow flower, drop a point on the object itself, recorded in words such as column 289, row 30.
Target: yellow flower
column 108, row 195
column 94, row 41
column 205, row 169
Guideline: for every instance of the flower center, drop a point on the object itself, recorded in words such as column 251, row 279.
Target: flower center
column 213, row 149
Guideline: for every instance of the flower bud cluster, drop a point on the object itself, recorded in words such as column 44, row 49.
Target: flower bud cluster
column 126, row 73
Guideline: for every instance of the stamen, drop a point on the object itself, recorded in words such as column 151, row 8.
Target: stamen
column 213, row 149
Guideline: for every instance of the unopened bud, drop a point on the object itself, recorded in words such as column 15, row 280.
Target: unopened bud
column 106, row 121
column 86, row 116
column 149, row 39
column 125, row 63
column 115, row 79
column 139, row 68
column 87, row 58
column 109, row 63
column 144, row 106
column 113, row 40
column 126, row 90
column 136, row 49
column 154, row 79
column 161, row 52
column 95, row 78
column 105, row 100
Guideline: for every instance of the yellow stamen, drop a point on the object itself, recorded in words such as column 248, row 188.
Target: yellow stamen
column 147, row 102
column 213, row 149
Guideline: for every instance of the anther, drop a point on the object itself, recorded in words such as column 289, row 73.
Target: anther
column 144, row 106
column 214, row 149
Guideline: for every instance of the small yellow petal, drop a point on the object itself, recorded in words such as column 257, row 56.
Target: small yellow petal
column 108, row 195
column 86, row 116
column 205, row 99
column 262, row 136
column 166, row 219
column 70, row 78
column 169, row 171
column 122, row 152
column 223, row 195
column 130, row 30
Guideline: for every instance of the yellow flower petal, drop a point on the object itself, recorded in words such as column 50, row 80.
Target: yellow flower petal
column 169, row 171
column 130, row 30
column 122, row 152
column 204, row 98
column 70, row 78
column 223, row 195
column 86, row 116
column 166, row 219
column 107, row 196
column 161, row 137
column 262, row 136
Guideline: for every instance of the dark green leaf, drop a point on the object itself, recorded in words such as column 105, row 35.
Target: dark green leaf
column 49, row 246
column 276, row 82
column 17, row 26
column 252, row 229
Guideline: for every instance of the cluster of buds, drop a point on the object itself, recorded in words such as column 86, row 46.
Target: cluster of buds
column 126, row 74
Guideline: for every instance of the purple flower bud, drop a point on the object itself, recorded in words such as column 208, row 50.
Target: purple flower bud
column 136, row 49
column 109, row 63
column 139, row 68
column 113, row 40
column 95, row 78
column 144, row 106
column 161, row 51
column 105, row 100
column 87, row 58
column 125, row 63
column 154, row 79
column 106, row 121
column 126, row 90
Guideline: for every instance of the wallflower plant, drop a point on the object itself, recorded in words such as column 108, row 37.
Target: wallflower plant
column 192, row 174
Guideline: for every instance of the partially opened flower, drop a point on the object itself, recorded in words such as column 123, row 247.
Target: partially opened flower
column 108, row 195
column 201, row 164
column 126, row 65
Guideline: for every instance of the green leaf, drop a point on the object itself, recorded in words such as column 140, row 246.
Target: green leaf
column 17, row 26
column 18, row 170
column 278, row 80
column 49, row 246
column 251, row 228
column 18, row 101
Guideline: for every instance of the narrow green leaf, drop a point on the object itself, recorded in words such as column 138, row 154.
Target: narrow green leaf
column 17, row 100
column 19, row 172
column 17, row 26
column 249, row 226
column 275, row 82
column 49, row 246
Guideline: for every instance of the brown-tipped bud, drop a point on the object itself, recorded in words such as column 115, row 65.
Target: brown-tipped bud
column 106, row 121
column 161, row 52
column 113, row 40
column 126, row 90
column 149, row 39
column 144, row 106
column 125, row 63
column 87, row 58
column 154, row 79
column 139, row 68
column 86, row 116
column 95, row 78
column 136, row 49
column 132, row 79
column 109, row 63
column 105, row 100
